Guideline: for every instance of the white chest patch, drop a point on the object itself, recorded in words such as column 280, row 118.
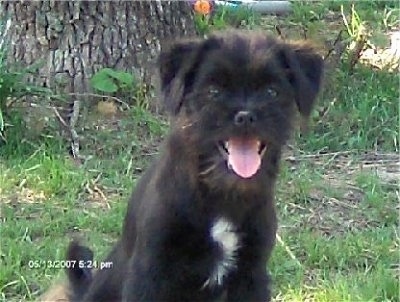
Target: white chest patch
column 223, row 232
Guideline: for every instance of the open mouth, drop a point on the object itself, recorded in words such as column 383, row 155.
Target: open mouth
column 243, row 155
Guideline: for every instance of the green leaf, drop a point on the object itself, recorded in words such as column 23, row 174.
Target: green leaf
column 109, row 80
column 122, row 77
column 103, row 82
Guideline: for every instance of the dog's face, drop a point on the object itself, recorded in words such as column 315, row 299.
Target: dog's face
column 234, row 96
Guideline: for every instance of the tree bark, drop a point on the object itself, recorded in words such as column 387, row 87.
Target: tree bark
column 71, row 40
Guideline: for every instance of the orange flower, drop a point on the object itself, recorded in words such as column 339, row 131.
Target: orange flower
column 202, row 7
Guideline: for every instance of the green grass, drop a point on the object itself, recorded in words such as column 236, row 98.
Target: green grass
column 337, row 208
column 226, row 17
column 361, row 119
column 344, row 245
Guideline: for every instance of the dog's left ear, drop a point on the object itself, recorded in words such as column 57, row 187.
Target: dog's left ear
column 304, row 67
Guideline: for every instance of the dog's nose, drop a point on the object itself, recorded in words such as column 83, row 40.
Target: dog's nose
column 244, row 118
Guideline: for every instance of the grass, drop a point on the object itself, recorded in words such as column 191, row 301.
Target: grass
column 341, row 232
column 337, row 195
column 362, row 120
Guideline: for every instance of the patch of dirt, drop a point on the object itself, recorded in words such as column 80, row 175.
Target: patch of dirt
column 23, row 196
column 96, row 195
column 384, row 165
column 331, row 216
column 343, row 210
column 102, row 136
column 379, row 49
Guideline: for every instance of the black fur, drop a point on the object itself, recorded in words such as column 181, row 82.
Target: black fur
column 232, row 85
column 79, row 273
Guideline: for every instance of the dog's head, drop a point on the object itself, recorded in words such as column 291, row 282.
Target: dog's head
column 234, row 96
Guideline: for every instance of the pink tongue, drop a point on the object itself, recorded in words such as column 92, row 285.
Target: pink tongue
column 243, row 156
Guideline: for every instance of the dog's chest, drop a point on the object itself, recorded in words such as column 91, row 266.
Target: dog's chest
column 224, row 235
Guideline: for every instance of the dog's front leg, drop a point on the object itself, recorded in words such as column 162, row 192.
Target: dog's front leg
column 170, row 266
column 145, row 282
column 250, row 282
column 148, row 283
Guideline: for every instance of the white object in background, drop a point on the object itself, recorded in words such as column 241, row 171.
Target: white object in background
column 263, row 7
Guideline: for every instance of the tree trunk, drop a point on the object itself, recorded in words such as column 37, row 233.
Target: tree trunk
column 70, row 40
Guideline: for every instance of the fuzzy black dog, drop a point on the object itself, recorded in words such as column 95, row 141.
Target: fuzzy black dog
column 201, row 223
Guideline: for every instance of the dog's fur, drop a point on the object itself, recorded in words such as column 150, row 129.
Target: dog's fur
column 198, row 228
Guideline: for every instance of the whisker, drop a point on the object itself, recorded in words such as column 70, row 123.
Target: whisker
column 187, row 125
column 208, row 170
column 190, row 124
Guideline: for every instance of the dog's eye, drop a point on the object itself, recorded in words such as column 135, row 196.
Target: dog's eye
column 271, row 92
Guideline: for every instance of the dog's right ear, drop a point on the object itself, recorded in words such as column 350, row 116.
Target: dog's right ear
column 175, row 62
column 178, row 65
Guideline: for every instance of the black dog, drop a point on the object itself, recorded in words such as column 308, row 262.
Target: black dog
column 201, row 223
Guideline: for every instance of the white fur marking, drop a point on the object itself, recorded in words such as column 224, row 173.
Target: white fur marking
column 223, row 233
